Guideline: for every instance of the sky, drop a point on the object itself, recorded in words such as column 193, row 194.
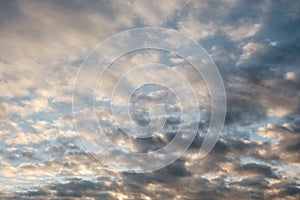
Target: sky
column 49, row 138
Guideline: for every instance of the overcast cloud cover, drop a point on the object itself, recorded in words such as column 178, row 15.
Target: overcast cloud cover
column 256, row 46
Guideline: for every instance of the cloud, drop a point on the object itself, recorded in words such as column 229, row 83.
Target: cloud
column 286, row 136
column 155, row 13
column 243, row 31
column 255, row 46
column 195, row 29
column 258, row 169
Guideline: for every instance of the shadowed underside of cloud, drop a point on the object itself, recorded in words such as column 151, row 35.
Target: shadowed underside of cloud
column 255, row 45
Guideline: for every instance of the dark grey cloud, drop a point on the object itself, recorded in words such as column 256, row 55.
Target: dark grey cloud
column 259, row 169
column 8, row 11
column 243, row 108
column 257, row 182
column 167, row 175
column 281, row 21
column 280, row 56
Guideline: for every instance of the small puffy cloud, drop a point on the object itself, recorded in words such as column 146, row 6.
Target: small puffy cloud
column 196, row 29
column 249, row 49
column 242, row 31
column 290, row 76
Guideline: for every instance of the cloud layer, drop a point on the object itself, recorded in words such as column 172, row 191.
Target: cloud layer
column 255, row 45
